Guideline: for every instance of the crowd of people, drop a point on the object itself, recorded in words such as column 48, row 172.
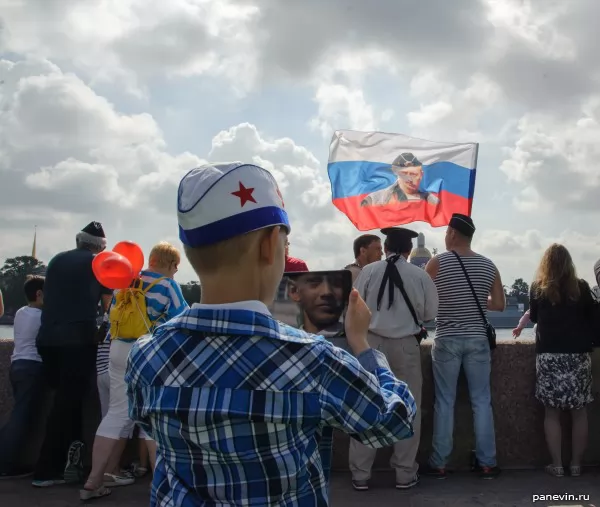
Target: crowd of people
column 229, row 405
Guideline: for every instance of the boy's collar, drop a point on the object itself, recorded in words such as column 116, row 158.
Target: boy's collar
column 253, row 306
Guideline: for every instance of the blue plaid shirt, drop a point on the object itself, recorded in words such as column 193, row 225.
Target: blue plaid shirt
column 242, row 408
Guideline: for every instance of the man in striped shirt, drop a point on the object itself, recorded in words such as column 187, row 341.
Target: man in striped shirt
column 242, row 406
column 461, row 340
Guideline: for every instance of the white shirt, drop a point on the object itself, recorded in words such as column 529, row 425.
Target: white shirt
column 397, row 322
column 26, row 326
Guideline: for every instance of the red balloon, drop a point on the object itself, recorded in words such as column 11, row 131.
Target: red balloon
column 113, row 271
column 98, row 260
column 133, row 253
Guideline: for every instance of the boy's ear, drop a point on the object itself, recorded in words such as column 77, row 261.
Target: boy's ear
column 269, row 244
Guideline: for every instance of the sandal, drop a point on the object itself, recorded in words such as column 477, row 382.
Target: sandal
column 556, row 471
column 575, row 470
column 91, row 494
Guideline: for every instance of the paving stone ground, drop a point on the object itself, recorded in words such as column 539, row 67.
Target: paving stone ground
column 511, row 489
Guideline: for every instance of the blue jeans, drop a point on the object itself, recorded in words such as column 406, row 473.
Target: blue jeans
column 28, row 388
column 448, row 354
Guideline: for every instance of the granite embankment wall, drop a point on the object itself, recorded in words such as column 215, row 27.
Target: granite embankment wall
column 518, row 416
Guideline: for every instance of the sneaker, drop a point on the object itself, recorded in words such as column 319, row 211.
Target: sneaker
column 74, row 468
column 555, row 470
column 114, row 481
column 407, row 485
column 138, row 469
column 489, row 472
column 126, row 473
column 360, row 485
column 47, row 484
column 438, row 473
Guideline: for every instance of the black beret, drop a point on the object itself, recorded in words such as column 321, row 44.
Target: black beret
column 463, row 224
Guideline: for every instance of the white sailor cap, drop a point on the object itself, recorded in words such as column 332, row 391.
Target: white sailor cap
column 216, row 202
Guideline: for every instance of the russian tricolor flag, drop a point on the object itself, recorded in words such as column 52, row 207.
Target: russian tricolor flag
column 382, row 180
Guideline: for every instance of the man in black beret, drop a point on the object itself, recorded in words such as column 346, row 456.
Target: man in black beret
column 401, row 296
column 462, row 340
column 66, row 343
column 409, row 171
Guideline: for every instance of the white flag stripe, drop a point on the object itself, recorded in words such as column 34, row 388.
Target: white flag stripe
column 354, row 146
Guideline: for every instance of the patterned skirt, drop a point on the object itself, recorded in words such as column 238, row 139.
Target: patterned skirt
column 564, row 381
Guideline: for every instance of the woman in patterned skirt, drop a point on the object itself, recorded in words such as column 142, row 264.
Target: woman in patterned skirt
column 562, row 306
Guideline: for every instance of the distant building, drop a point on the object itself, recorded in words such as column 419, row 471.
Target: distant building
column 420, row 255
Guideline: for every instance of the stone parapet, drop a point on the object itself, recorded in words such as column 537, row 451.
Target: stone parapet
column 518, row 416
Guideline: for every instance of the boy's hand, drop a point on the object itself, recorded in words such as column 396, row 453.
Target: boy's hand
column 358, row 318
column 516, row 332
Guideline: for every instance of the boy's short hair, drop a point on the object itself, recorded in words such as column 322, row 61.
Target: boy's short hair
column 163, row 255
column 32, row 284
column 225, row 254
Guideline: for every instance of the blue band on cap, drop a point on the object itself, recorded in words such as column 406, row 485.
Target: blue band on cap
column 235, row 225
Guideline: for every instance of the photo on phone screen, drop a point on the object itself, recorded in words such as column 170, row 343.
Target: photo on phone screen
column 313, row 300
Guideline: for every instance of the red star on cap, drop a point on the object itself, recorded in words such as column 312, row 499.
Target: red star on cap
column 245, row 194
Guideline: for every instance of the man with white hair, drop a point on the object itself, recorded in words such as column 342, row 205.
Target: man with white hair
column 67, row 344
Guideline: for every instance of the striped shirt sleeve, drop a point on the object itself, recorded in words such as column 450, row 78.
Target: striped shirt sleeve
column 177, row 302
column 361, row 397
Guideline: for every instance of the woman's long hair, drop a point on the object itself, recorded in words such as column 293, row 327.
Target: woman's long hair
column 556, row 279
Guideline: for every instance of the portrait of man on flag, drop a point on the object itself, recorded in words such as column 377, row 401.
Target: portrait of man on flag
column 409, row 171
column 380, row 180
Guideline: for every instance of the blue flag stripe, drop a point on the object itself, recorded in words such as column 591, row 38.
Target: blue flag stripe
column 353, row 178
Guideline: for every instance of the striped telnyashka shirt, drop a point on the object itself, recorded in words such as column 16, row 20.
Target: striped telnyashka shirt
column 457, row 313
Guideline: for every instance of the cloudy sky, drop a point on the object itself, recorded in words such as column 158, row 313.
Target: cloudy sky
column 105, row 104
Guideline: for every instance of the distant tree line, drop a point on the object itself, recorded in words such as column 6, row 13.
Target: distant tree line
column 12, row 278
column 16, row 269
column 520, row 291
column 191, row 292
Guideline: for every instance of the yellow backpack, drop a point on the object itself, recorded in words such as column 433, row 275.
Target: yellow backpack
column 128, row 316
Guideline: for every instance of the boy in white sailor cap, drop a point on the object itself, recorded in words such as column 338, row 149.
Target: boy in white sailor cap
column 242, row 407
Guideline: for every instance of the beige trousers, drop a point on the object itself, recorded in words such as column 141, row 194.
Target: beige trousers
column 404, row 357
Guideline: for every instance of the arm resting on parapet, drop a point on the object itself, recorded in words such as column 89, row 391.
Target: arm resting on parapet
column 432, row 267
column 431, row 305
column 361, row 397
column 497, row 299
column 525, row 319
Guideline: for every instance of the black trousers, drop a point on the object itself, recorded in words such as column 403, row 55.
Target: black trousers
column 69, row 371
column 27, row 385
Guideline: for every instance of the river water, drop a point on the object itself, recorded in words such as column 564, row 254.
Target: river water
column 502, row 334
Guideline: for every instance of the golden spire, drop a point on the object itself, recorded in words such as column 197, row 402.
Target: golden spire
column 33, row 253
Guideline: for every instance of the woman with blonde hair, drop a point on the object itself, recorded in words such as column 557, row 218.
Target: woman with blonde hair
column 562, row 306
